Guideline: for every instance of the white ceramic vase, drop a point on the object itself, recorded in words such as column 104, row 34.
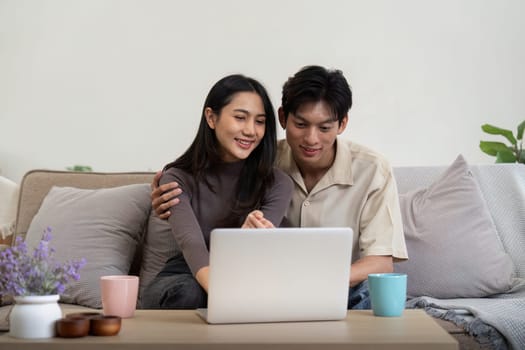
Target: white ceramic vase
column 34, row 316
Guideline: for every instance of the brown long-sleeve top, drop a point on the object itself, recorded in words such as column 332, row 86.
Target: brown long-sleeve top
column 200, row 210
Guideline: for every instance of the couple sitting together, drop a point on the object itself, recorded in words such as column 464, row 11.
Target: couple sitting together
column 236, row 174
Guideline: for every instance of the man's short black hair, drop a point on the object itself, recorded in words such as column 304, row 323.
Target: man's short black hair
column 314, row 84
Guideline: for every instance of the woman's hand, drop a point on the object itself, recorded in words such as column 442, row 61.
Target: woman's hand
column 256, row 220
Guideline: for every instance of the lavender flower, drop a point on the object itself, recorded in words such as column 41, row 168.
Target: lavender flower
column 38, row 273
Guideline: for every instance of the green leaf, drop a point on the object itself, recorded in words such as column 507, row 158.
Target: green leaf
column 505, row 157
column 492, row 148
column 494, row 130
column 520, row 130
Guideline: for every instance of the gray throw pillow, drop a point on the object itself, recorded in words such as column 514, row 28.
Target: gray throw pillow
column 453, row 246
column 159, row 245
column 104, row 226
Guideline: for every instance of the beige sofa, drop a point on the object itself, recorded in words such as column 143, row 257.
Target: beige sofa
column 151, row 232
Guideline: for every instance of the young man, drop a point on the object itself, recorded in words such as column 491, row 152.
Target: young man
column 336, row 182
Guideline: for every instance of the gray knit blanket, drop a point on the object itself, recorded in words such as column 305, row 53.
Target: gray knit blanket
column 497, row 321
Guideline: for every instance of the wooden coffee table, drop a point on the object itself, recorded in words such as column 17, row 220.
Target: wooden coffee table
column 184, row 329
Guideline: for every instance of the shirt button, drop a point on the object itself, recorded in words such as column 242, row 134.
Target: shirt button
column 306, row 203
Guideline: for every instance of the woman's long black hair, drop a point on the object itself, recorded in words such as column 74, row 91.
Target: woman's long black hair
column 204, row 152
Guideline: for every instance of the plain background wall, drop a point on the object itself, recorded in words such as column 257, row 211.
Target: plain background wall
column 119, row 85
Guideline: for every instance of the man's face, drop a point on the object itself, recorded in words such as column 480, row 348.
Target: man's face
column 311, row 133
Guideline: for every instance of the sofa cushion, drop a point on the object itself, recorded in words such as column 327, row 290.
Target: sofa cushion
column 159, row 245
column 104, row 226
column 503, row 187
column 453, row 247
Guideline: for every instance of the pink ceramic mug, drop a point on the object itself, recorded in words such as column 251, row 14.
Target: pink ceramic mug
column 119, row 295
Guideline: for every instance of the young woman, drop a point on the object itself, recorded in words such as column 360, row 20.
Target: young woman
column 228, row 179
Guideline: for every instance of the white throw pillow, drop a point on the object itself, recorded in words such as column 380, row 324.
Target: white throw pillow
column 8, row 202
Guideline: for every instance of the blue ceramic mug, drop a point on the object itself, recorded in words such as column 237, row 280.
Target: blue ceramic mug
column 388, row 292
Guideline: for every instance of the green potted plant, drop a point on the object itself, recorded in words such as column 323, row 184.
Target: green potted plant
column 85, row 168
column 515, row 153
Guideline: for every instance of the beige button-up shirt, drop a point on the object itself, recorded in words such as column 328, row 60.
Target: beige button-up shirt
column 358, row 191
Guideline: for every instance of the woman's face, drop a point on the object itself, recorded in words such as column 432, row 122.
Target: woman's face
column 240, row 126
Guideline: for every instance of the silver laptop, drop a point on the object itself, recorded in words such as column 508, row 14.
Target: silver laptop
column 277, row 275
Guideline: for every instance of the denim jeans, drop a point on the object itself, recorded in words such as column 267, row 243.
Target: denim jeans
column 358, row 297
column 182, row 291
column 174, row 288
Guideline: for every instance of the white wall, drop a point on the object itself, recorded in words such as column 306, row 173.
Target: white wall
column 119, row 85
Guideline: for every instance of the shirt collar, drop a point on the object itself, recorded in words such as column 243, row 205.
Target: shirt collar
column 340, row 173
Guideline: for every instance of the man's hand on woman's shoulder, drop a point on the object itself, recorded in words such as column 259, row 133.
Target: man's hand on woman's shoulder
column 164, row 197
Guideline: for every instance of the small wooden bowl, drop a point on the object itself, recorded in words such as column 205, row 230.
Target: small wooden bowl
column 83, row 314
column 72, row 327
column 105, row 325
